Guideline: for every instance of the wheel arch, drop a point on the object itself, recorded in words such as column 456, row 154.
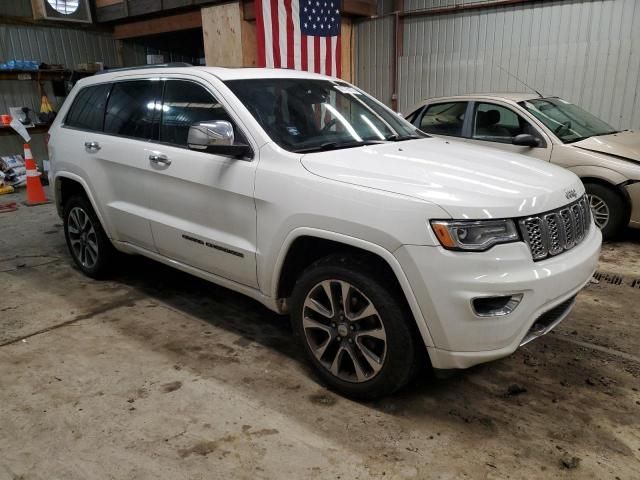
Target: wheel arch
column 291, row 262
column 65, row 185
column 617, row 188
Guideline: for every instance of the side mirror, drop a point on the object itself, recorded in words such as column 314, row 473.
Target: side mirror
column 216, row 137
column 526, row 140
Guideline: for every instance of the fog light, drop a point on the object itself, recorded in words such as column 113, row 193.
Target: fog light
column 495, row 306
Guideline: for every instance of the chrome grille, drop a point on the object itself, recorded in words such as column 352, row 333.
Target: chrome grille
column 552, row 233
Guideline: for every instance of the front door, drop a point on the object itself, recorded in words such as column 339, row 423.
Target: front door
column 495, row 125
column 201, row 206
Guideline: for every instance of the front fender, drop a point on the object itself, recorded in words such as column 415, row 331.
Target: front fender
column 381, row 252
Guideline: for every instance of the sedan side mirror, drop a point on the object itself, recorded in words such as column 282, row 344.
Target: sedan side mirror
column 525, row 140
column 216, row 137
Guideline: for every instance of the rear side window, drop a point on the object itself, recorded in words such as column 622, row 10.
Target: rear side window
column 444, row 119
column 87, row 110
column 186, row 103
column 134, row 109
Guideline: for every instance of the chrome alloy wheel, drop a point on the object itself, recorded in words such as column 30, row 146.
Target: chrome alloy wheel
column 82, row 237
column 599, row 210
column 344, row 331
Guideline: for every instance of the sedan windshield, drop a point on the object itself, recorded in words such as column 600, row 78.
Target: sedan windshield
column 569, row 122
column 311, row 115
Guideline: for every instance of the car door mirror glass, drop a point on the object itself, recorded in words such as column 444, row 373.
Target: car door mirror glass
column 526, row 140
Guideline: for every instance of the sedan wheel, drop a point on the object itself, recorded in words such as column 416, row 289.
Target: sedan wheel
column 600, row 211
column 344, row 331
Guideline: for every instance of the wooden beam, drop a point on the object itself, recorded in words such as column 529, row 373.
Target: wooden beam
column 346, row 51
column 154, row 26
column 229, row 40
column 464, row 7
column 107, row 3
column 364, row 8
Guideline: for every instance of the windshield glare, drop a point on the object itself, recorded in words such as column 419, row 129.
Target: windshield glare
column 569, row 122
column 303, row 115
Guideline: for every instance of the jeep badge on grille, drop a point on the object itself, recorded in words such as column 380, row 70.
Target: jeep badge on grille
column 570, row 194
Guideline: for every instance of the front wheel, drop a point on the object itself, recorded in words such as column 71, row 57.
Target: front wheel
column 608, row 209
column 354, row 330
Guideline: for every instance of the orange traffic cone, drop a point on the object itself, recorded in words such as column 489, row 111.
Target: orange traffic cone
column 35, row 192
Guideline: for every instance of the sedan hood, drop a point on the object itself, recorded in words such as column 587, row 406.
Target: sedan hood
column 623, row 144
column 467, row 181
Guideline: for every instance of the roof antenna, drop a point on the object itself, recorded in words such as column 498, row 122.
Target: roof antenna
column 517, row 79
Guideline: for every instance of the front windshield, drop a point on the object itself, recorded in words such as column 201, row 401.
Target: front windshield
column 304, row 115
column 569, row 122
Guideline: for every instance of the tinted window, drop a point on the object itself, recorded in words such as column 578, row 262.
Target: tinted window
column 134, row 109
column 444, row 119
column 87, row 111
column 495, row 123
column 186, row 103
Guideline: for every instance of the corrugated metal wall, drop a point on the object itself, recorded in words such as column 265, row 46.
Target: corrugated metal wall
column 50, row 45
column 587, row 51
column 374, row 56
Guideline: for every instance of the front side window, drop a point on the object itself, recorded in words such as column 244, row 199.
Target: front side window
column 444, row 119
column 306, row 115
column 134, row 109
column 87, row 110
column 567, row 121
column 185, row 104
column 495, row 123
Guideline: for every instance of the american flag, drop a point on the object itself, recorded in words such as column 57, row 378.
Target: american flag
column 299, row 34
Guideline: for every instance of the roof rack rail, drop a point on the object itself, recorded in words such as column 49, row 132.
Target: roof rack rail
column 144, row 67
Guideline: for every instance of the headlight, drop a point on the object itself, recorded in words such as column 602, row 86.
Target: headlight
column 475, row 235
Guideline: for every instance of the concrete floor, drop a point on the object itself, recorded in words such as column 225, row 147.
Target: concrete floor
column 155, row 374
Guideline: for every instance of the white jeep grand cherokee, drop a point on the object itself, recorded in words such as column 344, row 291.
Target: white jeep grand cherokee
column 305, row 193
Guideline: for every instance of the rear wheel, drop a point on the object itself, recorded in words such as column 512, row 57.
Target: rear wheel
column 608, row 209
column 88, row 244
column 354, row 330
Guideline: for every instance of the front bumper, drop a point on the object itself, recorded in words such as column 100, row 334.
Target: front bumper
column 445, row 282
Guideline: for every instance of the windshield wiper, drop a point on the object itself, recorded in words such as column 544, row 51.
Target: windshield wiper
column 399, row 138
column 337, row 145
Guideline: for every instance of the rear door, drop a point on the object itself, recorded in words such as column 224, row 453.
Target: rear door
column 201, row 205
column 101, row 130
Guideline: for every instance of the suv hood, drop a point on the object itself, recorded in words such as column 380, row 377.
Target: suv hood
column 623, row 144
column 467, row 181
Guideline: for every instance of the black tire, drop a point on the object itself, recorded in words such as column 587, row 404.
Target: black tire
column 616, row 205
column 105, row 255
column 399, row 364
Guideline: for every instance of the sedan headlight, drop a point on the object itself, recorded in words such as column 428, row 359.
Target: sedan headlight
column 474, row 235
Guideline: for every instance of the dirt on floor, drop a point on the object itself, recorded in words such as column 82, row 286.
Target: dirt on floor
column 156, row 374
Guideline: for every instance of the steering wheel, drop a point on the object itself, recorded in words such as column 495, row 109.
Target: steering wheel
column 328, row 126
column 565, row 126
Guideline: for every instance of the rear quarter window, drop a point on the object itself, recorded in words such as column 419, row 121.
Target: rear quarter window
column 87, row 109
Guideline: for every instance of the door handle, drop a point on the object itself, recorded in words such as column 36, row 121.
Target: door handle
column 92, row 146
column 159, row 159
